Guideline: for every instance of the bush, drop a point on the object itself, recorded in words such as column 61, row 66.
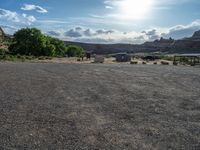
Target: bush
column 2, row 51
column 59, row 45
column 74, row 51
column 168, row 58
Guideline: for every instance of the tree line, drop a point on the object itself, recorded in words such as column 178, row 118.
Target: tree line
column 31, row 41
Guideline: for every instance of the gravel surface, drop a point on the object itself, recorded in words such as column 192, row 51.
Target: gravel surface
column 91, row 106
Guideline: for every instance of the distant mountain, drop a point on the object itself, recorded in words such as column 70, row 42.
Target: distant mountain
column 106, row 48
column 185, row 45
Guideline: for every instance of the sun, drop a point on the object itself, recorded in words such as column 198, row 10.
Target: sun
column 134, row 9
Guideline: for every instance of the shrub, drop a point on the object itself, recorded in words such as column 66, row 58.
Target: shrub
column 168, row 58
column 2, row 51
column 74, row 51
column 59, row 45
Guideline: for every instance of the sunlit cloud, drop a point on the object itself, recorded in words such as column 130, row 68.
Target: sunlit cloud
column 129, row 9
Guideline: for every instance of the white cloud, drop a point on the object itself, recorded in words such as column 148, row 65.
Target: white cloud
column 9, row 15
column 29, row 19
column 181, row 31
column 80, row 34
column 37, row 8
column 16, row 18
column 109, row 7
column 88, row 35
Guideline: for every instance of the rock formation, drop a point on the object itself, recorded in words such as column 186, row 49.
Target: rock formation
column 196, row 35
column 2, row 35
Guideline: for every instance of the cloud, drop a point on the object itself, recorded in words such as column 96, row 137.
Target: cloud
column 53, row 33
column 181, row 31
column 37, row 8
column 101, row 31
column 80, row 32
column 29, row 18
column 109, row 7
column 152, row 34
column 16, row 18
column 73, row 33
column 9, row 15
column 94, row 40
column 133, row 37
column 88, row 32
column 103, row 36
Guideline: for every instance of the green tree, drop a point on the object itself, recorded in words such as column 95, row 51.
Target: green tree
column 60, row 47
column 74, row 51
column 29, row 42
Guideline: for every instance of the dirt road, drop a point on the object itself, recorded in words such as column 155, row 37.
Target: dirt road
column 88, row 106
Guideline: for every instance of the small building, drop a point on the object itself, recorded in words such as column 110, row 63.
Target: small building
column 123, row 57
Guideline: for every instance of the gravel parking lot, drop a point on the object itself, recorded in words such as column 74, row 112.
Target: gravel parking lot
column 99, row 106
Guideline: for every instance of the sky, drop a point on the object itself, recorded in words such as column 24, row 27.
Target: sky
column 103, row 21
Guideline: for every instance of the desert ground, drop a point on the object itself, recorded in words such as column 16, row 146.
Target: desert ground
column 99, row 106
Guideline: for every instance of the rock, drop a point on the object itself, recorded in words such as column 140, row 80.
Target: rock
column 196, row 34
